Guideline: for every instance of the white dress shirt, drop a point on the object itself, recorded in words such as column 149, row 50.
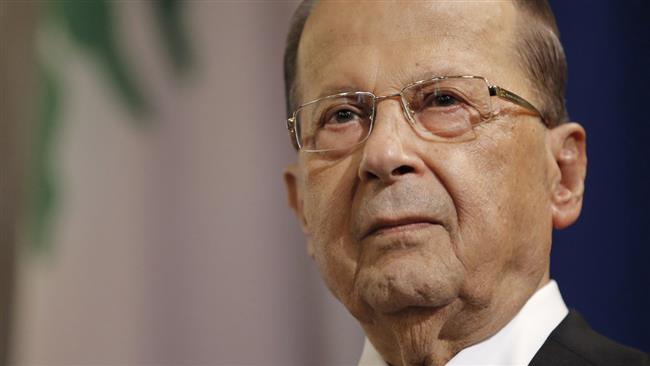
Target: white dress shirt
column 515, row 344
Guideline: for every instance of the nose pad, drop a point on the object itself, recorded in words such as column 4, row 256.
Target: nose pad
column 403, row 106
column 397, row 96
column 407, row 113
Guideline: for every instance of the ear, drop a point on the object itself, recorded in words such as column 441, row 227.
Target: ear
column 567, row 143
column 294, row 197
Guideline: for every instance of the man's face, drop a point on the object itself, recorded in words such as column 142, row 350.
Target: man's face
column 402, row 227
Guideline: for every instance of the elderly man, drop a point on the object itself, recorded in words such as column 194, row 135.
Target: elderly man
column 435, row 157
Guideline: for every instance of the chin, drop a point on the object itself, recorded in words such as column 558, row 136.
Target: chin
column 409, row 282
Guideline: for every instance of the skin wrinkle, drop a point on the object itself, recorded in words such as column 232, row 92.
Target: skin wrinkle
column 494, row 26
column 423, row 293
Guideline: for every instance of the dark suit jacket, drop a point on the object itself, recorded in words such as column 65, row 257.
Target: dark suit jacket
column 574, row 343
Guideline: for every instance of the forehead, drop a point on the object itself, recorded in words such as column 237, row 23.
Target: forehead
column 381, row 45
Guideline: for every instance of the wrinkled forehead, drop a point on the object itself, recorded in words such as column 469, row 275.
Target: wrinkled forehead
column 369, row 42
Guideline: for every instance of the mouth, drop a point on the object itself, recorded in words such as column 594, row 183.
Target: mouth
column 392, row 226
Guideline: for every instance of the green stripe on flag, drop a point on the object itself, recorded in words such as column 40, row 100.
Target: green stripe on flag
column 43, row 198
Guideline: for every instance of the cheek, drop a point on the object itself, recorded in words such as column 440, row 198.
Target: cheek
column 328, row 192
column 328, row 189
column 501, row 203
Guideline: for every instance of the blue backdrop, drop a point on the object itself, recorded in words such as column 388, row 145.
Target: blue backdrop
column 601, row 263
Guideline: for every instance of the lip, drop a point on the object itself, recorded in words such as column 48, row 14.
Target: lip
column 387, row 225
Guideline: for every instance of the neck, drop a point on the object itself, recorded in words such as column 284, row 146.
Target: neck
column 432, row 336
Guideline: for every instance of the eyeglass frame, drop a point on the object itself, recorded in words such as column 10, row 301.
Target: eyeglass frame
column 493, row 90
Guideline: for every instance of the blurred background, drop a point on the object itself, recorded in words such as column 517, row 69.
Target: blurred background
column 142, row 211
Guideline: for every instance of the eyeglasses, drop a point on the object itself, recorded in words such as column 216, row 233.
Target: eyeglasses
column 443, row 108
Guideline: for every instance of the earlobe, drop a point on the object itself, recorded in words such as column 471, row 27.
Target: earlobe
column 568, row 147
column 294, row 198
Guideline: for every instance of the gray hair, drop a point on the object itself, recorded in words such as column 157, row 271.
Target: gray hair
column 540, row 53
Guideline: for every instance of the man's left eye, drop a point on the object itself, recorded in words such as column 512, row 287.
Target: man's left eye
column 441, row 100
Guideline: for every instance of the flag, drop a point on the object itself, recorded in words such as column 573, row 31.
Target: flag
column 156, row 229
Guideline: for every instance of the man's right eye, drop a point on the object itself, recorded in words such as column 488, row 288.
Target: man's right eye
column 341, row 116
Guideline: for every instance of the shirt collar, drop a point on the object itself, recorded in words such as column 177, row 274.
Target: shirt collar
column 515, row 344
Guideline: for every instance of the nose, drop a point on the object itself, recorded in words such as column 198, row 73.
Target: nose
column 389, row 153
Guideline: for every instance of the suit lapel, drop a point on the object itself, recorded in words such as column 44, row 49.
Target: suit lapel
column 574, row 343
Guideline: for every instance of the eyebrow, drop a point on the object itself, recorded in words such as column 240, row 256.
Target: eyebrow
column 443, row 71
column 338, row 87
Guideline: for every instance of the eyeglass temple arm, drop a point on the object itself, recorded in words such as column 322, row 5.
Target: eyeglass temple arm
column 508, row 95
column 291, row 128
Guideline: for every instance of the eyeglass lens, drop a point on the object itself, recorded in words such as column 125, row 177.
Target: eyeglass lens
column 439, row 109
